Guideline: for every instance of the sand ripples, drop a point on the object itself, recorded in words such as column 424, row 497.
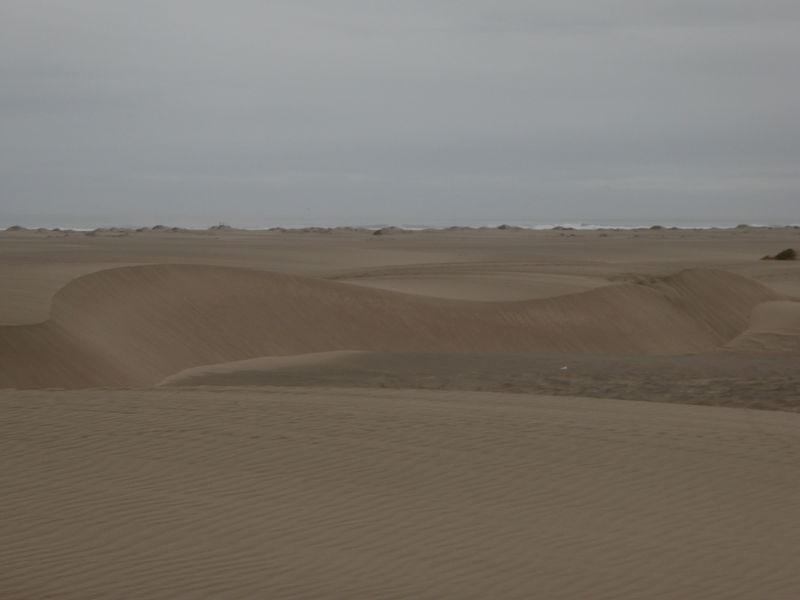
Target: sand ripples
column 307, row 493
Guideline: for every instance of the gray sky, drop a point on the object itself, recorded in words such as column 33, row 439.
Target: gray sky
column 260, row 112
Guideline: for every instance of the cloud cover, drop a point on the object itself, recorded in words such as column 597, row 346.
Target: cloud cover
column 369, row 111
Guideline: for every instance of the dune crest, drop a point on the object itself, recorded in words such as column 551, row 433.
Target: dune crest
column 134, row 326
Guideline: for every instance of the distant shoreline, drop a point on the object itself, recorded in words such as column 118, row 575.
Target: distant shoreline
column 389, row 229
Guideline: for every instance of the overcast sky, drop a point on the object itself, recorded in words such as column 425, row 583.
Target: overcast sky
column 259, row 112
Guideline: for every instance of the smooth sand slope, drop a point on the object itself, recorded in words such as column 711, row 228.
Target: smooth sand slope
column 312, row 493
column 137, row 325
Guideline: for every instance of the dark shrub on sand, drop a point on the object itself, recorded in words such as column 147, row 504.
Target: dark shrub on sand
column 388, row 230
column 788, row 254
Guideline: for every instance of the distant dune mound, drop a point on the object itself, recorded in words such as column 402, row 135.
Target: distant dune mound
column 134, row 326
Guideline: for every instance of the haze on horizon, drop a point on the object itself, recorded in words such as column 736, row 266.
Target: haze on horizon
column 360, row 112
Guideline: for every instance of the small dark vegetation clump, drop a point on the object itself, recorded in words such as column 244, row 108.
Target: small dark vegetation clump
column 388, row 230
column 220, row 227
column 788, row 254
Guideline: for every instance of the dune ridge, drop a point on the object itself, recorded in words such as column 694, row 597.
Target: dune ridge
column 134, row 326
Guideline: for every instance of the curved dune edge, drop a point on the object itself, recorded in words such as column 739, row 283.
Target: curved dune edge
column 134, row 326
column 261, row 364
column 774, row 327
column 491, row 284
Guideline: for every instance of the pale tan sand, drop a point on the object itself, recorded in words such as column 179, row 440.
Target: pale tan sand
column 235, row 491
column 137, row 325
column 34, row 266
column 313, row 493
column 764, row 380
column 109, row 329
column 261, row 365
column 494, row 283
column 775, row 327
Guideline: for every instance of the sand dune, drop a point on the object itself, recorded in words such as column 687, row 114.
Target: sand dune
column 775, row 327
column 34, row 267
column 137, row 325
column 484, row 264
column 374, row 494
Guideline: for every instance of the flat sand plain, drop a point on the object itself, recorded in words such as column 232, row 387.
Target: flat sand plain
column 230, row 414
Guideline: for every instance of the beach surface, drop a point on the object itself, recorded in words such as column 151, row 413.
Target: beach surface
column 432, row 414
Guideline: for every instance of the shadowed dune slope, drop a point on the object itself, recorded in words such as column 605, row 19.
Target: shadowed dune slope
column 137, row 325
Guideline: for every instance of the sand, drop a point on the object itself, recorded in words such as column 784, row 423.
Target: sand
column 137, row 325
column 733, row 379
column 34, row 266
column 332, row 414
column 314, row 493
